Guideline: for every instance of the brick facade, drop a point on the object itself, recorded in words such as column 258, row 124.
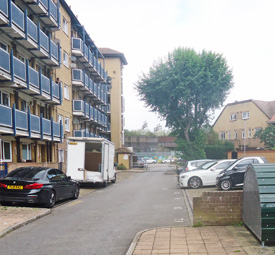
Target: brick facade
column 218, row 208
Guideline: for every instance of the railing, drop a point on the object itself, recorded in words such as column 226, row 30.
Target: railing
column 32, row 30
column 54, row 50
column 20, row 121
column 53, row 10
column 18, row 17
column 4, row 60
column 78, row 75
column 4, row 7
column 27, row 76
column 78, row 106
column 44, row 3
column 44, row 40
column 77, row 44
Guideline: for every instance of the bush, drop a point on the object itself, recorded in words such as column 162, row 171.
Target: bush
column 121, row 167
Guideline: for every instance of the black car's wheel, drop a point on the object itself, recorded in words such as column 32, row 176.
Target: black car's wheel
column 114, row 180
column 226, row 185
column 51, row 200
column 195, row 182
column 76, row 192
column 6, row 203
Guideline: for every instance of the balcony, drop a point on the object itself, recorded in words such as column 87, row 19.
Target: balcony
column 81, row 109
column 15, row 71
column 83, row 133
column 25, row 124
column 47, row 10
column 15, row 26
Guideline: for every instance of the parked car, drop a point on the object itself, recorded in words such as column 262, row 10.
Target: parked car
column 166, row 161
column 140, row 164
column 151, row 161
column 192, row 164
column 39, row 185
column 205, row 176
column 233, row 176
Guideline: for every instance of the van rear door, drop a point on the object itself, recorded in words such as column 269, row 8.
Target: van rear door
column 76, row 160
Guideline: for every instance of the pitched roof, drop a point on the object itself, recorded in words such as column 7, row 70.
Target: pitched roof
column 267, row 107
column 124, row 150
column 107, row 52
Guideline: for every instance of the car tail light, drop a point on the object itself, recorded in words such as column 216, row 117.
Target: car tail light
column 34, row 186
column 3, row 186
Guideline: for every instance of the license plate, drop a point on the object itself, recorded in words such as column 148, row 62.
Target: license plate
column 15, row 187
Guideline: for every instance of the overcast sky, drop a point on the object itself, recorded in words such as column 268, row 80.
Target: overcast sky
column 145, row 30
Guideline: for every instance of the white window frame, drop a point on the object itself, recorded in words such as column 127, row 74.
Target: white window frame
column 60, row 117
column 65, row 59
column 3, row 151
column 65, row 26
column 229, row 135
column 249, row 135
column 66, row 92
column 67, row 124
column 222, row 135
column 245, row 115
column 233, row 116
column 7, row 96
column 29, row 151
column 243, row 134
column 235, row 134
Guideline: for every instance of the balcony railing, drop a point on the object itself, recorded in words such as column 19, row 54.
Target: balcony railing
column 48, row 12
column 83, row 133
column 20, row 123
column 14, row 70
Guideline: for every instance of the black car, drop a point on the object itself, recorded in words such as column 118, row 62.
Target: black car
column 233, row 176
column 39, row 185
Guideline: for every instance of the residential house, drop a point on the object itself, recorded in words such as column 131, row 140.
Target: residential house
column 239, row 122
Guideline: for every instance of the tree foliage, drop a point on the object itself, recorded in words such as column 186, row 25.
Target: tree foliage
column 267, row 136
column 185, row 87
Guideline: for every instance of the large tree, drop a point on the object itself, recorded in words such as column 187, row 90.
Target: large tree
column 185, row 87
column 267, row 136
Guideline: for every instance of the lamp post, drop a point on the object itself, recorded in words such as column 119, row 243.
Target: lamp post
column 244, row 136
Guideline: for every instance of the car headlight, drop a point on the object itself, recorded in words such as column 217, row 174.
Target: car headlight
column 220, row 174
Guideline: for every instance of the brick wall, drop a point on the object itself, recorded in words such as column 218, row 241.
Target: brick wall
column 218, row 208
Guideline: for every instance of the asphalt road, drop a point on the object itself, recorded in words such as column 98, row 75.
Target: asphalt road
column 105, row 221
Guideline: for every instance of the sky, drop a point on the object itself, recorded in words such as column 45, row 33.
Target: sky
column 146, row 30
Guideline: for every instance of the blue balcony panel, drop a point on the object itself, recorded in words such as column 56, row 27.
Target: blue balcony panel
column 56, row 129
column 20, row 71
column 34, row 78
column 45, row 84
column 56, row 90
column 21, row 120
column 31, row 37
column 4, row 65
column 35, row 124
column 4, row 12
column 53, row 58
column 51, row 19
column 44, row 40
column 46, row 124
column 78, row 107
column 5, row 116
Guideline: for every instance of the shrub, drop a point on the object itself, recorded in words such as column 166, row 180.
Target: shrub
column 121, row 167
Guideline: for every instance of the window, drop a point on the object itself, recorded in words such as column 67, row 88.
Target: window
column 67, row 124
column 233, row 116
column 66, row 92
column 222, row 135
column 65, row 59
column 229, row 135
column 245, row 115
column 5, row 98
column 249, row 133
column 6, row 151
column 23, row 105
column 235, row 134
column 26, row 152
column 4, row 46
column 60, row 118
column 65, row 26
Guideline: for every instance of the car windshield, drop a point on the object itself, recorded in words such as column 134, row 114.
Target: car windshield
column 26, row 173
column 207, row 165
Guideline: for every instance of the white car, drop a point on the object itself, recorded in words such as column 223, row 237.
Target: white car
column 151, row 161
column 203, row 177
column 165, row 161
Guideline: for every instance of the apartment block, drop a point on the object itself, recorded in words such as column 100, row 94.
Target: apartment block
column 239, row 122
column 53, row 83
column 114, row 64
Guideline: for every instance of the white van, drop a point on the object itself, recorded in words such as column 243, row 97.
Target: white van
column 91, row 160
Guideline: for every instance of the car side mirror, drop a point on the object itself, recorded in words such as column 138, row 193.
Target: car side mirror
column 235, row 168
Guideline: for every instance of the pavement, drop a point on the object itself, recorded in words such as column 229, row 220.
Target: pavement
column 216, row 240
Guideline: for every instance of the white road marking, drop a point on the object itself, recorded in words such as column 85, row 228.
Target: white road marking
column 178, row 208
